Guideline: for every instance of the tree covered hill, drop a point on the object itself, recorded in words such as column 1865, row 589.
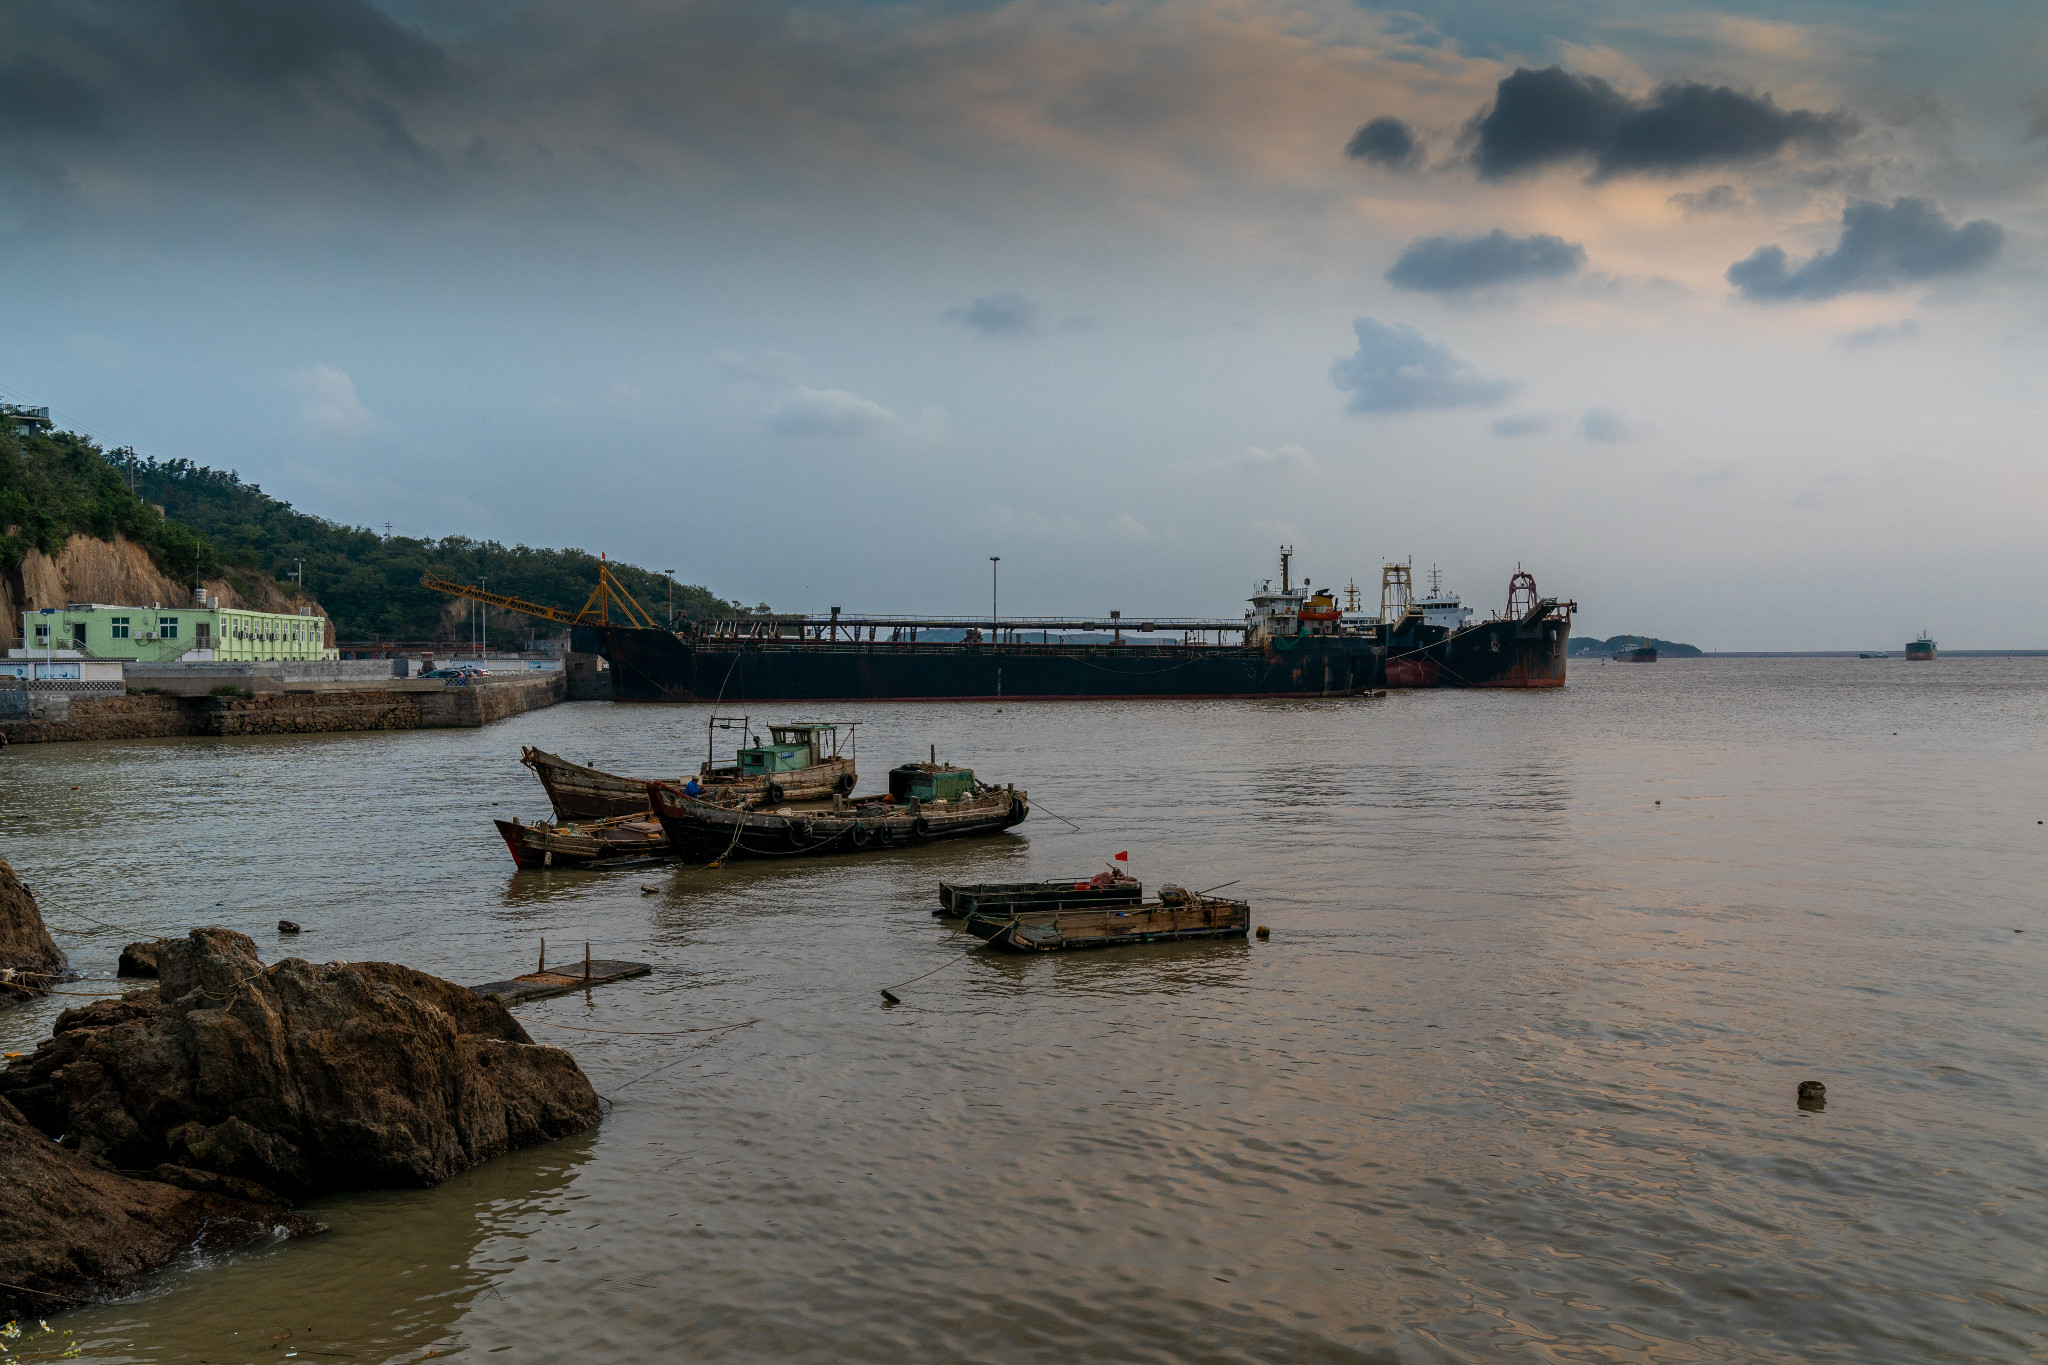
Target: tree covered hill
column 1585, row 646
column 58, row 484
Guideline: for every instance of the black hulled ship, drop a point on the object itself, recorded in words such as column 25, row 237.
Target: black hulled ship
column 1434, row 642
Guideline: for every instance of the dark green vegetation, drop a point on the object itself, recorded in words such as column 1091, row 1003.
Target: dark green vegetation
column 214, row 525
column 1586, row 647
column 58, row 485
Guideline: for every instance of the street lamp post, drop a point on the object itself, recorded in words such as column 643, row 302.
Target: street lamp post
column 994, row 621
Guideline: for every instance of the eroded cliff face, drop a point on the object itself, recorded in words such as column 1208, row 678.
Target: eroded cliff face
column 120, row 571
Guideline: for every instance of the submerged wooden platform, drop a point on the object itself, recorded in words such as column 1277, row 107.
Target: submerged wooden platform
column 541, row 985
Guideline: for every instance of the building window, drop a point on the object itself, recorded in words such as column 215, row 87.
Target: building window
column 120, row 624
column 43, row 633
column 167, row 627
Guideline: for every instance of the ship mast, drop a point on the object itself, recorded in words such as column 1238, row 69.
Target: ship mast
column 1286, row 556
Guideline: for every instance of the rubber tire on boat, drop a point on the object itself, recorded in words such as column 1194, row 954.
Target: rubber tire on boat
column 774, row 793
column 920, row 827
column 862, row 835
column 844, row 786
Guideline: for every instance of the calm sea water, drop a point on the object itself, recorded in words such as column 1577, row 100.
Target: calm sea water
column 1513, row 1078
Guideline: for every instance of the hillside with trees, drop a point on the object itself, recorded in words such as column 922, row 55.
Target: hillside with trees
column 1586, row 647
column 57, row 484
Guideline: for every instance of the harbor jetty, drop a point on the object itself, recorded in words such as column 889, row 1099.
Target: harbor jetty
column 308, row 708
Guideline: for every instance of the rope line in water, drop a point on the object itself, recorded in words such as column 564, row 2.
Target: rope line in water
column 635, row 1033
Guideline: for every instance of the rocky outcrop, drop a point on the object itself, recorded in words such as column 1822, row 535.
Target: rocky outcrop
column 139, row 959
column 29, row 960
column 71, row 1229
column 295, row 1078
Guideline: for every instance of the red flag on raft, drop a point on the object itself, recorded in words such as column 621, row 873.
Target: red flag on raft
column 1124, row 857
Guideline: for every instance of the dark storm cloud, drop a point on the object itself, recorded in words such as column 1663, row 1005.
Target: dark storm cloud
column 998, row 315
column 1446, row 264
column 1386, row 141
column 1882, row 247
column 184, row 84
column 1397, row 369
column 1539, row 117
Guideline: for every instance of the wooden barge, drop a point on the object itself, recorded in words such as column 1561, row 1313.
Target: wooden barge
column 583, row 843
column 1175, row 916
column 1057, row 893
column 926, row 802
column 801, row 762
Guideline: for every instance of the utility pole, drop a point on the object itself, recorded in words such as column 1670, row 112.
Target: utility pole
column 671, row 597
column 485, row 616
column 994, row 631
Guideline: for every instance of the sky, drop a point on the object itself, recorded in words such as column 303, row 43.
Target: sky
column 1727, row 322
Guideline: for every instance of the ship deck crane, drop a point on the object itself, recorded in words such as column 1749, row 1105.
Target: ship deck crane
column 597, row 608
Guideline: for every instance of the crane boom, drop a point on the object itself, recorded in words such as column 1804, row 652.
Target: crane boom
column 597, row 608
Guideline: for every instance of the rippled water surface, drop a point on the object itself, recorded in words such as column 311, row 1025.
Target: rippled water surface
column 1513, row 1078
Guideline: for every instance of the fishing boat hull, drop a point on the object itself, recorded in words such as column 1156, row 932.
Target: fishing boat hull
column 705, row 831
column 581, row 844
column 1057, row 893
column 583, row 793
column 1494, row 654
column 1024, row 930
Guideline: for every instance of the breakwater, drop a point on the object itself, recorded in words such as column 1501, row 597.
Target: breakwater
column 419, row 705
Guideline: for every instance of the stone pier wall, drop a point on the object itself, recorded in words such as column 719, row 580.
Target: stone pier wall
column 405, row 706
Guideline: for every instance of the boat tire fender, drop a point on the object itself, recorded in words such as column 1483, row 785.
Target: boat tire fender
column 774, row 793
column 862, row 835
column 920, row 827
column 844, row 786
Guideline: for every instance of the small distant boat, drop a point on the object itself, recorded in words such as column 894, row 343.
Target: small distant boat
column 802, row 762
column 1177, row 914
column 583, row 843
column 1873, row 654
column 1056, row 893
column 1922, row 649
column 925, row 803
column 1644, row 653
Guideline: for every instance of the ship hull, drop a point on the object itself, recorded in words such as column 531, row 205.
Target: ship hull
column 1920, row 655
column 657, row 665
column 1493, row 654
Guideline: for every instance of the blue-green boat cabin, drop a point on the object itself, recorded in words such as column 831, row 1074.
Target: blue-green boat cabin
column 791, row 749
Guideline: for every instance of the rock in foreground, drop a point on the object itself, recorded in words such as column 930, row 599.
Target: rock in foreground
column 29, row 960
column 296, row 1078
column 69, row 1229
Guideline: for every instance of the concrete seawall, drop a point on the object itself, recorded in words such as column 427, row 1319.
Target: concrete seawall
column 428, row 705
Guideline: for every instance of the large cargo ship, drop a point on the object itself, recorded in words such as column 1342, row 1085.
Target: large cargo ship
column 1434, row 642
column 1290, row 643
column 1921, row 649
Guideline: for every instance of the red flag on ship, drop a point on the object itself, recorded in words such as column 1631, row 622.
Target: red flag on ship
column 1124, row 857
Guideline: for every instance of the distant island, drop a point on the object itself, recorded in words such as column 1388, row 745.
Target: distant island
column 1586, row 647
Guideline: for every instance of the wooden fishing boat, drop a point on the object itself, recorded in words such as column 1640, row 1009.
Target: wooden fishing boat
column 1056, row 893
column 1175, row 916
column 927, row 802
column 802, row 762
column 583, row 843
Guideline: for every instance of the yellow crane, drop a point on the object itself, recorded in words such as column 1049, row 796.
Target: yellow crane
column 597, row 609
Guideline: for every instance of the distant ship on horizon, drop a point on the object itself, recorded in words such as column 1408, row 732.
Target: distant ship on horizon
column 1922, row 648
column 1643, row 653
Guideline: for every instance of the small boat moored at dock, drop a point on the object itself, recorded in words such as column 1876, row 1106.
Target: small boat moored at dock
column 801, row 762
column 1057, row 893
column 926, row 802
column 583, row 843
column 1177, row 914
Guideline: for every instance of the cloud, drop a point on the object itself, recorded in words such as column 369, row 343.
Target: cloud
column 1881, row 334
column 1881, row 248
column 998, row 315
column 1386, row 141
column 1519, row 424
column 1280, row 459
column 1538, row 117
column 328, row 403
column 1447, row 264
column 1129, row 526
column 1397, row 369
column 832, row 413
column 1610, row 427
column 1719, row 199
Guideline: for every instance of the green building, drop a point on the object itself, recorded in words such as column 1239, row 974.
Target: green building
column 160, row 634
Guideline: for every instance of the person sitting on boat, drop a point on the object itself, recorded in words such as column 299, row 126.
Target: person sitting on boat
column 691, row 789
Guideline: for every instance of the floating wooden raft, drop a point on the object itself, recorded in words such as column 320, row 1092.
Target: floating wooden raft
column 1057, row 893
column 1174, row 916
column 575, row 977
